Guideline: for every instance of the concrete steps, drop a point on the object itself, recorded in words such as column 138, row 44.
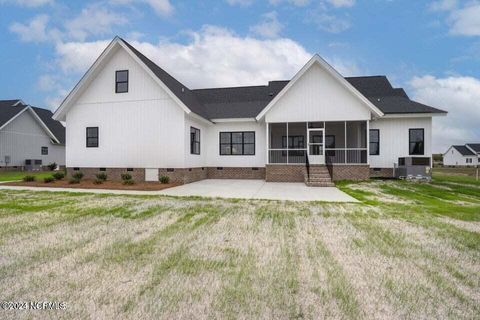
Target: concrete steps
column 318, row 177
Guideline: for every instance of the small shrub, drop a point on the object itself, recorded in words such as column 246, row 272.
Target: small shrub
column 52, row 166
column 74, row 181
column 58, row 175
column 126, row 176
column 101, row 176
column 77, row 175
column 98, row 181
column 29, row 178
column 48, row 179
column 128, row 182
column 164, row 179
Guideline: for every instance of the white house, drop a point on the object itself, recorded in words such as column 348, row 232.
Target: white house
column 29, row 137
column 462, row 156
column 128, row 114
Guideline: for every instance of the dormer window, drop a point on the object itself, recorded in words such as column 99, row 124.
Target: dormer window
column 121, row 81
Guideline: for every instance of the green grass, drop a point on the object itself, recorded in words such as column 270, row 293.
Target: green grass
column 18, row 175
column 407, row 250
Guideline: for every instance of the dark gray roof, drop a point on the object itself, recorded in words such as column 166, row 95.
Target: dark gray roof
column 464, row 151
column 8, row 111
column 248, row 102
column 179, row 90
column 474, row 146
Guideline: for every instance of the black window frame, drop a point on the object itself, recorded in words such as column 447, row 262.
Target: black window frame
column 44, row 151
column 300, row 139
column 376, row 143
column 88, row 144
column 231, row 143
column 193, row 142
column 120, row 82
column 412, row 152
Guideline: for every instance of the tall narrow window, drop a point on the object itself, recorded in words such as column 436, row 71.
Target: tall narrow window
column 92, row 137
column 374, row 142
column 194, row 140
column 416, row 141
column 44, row 151
column 237, row 143
column 121, row 81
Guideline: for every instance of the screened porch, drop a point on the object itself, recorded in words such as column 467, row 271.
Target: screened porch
column 318, row 142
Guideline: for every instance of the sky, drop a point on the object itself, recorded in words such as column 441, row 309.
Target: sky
column 431, row 48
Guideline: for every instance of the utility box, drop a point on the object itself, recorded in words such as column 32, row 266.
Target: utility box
column 414, row 168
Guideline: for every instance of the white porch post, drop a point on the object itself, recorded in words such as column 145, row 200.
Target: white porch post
column 267, row 139
column 345, row 123
column 288, row 162
column 368, row 142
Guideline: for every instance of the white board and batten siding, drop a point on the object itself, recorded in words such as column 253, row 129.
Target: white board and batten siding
column 454, row 158
column 318, row 96
column 143, row 128
column 23, row 138
column 394, row 139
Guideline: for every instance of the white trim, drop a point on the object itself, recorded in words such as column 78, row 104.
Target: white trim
column 475, row 152
column 18, row 102
column 234, row 120
column 413, row 115
column 198, row 117
column 36, row 117
column 317, row 59
column 67, row 102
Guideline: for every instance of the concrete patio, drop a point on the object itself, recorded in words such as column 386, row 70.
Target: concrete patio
column 226, row 188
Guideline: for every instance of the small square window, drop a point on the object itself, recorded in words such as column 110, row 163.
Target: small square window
column 44, row 151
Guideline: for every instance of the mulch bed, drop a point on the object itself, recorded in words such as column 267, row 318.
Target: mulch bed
column 88, row 184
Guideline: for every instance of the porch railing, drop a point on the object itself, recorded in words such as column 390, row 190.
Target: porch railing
column 287, row 156
column 346, row 155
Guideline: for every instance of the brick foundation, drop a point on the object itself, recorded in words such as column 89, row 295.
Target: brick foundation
column 183, row 176
column 381, row 173
column 349, row 172
column 285, row 173
column 236, row 173
column 114, row 174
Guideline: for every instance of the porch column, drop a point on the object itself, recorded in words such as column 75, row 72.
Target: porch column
column 368, row 142
column 345, row 145
column 267, row 143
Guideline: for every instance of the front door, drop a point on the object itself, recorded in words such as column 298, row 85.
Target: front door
column 316, row 146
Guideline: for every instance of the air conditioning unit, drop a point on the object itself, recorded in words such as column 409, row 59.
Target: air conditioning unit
column 33, row 165
column 414, row 168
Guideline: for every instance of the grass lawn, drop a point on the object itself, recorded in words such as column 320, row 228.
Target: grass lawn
column 18, row 175
column 408, row 251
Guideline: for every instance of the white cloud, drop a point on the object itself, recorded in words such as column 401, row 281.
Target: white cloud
column 328, row 22
column 466, row 21
column 27, row 3
column 35, row 30
column 93, row 20
column 161, row 7
column 298, row 3
column 269, row 27
column 342, row 3
column 243, row 3
column 78, row 56
column 443, row 5
column 460, row 96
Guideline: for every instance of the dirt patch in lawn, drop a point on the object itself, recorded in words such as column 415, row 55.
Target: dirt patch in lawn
column 89, row 184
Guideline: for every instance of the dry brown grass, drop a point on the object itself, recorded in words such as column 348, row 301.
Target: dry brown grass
column 114, row 257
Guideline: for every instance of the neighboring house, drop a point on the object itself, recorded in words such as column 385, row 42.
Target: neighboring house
column 29, row 133
column 127, row 113
column 462, row 156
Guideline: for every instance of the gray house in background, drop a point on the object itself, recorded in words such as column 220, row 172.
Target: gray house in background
column 29, row 136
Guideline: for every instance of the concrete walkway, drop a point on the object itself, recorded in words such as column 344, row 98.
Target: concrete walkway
column 219, row 188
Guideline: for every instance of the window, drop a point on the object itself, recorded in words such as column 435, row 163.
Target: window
column 374, row 142
column 194, row 140
column 44, row 151
column 294, row 142
column 92, row 137
column 121, row 81
column 469, row 160
column 416, row 141
column 237, row 143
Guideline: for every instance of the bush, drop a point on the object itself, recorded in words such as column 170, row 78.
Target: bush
column 128, row 182
column 52, row 166
column 164, row 179
column 48, row 179
column 98, row 181
column 77, row 175
column 29, row 178
column 74, row 181
column 102, row 176
column 58, row 175
column 126, row 176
